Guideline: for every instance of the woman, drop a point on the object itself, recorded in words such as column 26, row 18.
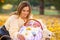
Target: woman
column 14, row 23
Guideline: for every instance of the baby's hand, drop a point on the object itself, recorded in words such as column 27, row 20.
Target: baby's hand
column 20, row 37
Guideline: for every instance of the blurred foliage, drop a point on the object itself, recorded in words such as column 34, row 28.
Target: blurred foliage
column 54, row 3
column 34, row 2
column 47, row 3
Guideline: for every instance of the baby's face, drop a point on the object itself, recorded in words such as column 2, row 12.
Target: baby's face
column 36, row 24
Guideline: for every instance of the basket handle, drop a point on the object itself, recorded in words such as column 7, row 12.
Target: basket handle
column 33, row 20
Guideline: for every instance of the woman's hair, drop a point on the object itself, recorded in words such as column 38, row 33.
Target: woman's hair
column 21, row 6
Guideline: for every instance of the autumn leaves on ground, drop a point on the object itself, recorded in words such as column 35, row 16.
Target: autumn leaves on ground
column 52, row 23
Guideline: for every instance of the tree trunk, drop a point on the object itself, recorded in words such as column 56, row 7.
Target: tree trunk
column 42, row 7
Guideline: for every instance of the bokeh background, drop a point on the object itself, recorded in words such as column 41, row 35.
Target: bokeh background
column 47, row 10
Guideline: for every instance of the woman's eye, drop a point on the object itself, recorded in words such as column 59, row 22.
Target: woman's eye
column 23, row 10
column 27, row 10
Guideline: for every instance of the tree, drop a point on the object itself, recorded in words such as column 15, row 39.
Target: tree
column 56, row 3
column 42, row 7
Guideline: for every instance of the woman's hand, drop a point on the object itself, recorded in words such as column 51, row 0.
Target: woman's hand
column 20, row 37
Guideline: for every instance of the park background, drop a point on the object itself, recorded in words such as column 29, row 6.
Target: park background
column 47, row 10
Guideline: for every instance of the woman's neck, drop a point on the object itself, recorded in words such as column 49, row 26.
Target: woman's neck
column 25, row 19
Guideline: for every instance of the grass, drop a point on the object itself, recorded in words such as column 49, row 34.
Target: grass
column 46, row 12
column 51, row 12
column 35, row 12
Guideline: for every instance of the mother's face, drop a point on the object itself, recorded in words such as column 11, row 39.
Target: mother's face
column 25, row 12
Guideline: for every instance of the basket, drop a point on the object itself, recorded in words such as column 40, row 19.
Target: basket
column 32, row 30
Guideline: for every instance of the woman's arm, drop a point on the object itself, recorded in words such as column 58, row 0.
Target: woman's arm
column 20, row 33
column 7, row 23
